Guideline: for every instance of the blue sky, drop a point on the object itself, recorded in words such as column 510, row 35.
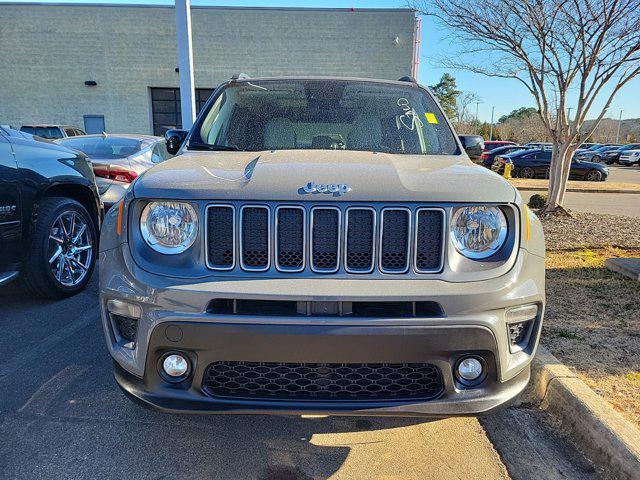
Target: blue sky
column 505, row 95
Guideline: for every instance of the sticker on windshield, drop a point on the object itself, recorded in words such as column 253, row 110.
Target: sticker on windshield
column 431, row 118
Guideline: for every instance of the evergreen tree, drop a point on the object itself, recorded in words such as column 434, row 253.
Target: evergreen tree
column 446, row 91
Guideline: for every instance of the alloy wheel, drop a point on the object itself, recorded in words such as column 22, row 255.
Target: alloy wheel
column 527, row 172
column 70, row 248
column 594, row 176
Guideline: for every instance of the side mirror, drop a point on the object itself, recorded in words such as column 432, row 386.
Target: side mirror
column 473, row 145
column 175, row 139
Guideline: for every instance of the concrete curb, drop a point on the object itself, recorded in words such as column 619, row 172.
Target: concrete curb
column 629, row 267
column 605, row 436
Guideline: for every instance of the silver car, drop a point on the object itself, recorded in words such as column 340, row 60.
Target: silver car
column 118, row 159
column 630, row 157
column 322, row 245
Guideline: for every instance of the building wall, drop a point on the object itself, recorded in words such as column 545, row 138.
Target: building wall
column 49, row 51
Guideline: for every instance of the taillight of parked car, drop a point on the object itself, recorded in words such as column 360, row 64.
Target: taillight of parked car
column 484, row 156
column 118, row 174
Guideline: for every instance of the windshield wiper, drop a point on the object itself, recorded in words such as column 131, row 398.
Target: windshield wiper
column 207, row 146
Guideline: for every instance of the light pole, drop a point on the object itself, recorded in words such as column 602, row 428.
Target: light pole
column 569, row 113
column 185, row 63
column 619, row 125
column 491, row 131
column 477, row 123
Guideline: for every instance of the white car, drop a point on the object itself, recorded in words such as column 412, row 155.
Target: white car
column 630, row 157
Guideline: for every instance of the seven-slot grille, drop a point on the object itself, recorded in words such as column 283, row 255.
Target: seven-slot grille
column 292, row 238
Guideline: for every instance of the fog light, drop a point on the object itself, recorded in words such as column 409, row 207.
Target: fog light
column 175, row 365
column 470, row 369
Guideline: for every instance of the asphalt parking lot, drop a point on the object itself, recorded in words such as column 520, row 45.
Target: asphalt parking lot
column 609, row 203
column 62, row 416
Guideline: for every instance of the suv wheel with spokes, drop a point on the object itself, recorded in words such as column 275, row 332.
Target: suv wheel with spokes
column 63, row 250
column 593, row 176
column 527, row 172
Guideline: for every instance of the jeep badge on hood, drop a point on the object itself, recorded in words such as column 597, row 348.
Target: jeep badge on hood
column 338, row 189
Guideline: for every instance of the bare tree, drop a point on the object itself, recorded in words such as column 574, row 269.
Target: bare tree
column 567, row 53
column 464, row 104
column 525, row 129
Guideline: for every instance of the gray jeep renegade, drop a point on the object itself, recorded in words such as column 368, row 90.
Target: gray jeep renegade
column 321, row 245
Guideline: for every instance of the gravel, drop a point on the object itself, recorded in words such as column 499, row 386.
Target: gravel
column 590, row 230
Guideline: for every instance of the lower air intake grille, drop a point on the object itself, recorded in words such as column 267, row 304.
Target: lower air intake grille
column 127, row 327
column 323, row 381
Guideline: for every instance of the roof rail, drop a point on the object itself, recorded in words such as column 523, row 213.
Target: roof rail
column 239, row 76
column 407, row 78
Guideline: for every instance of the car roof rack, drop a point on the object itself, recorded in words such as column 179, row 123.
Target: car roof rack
column 407, row 78
column 239, row 76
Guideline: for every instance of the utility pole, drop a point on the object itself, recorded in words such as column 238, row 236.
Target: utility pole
column 569, row 113
column 619, row 125
column 185, row 63
column 477, row 123
column 491, row 131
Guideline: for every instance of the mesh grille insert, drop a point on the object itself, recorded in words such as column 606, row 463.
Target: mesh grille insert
column 395, row 235
column 326, row 237
column 255, row 238
column 323, row 381
column 220, row 236
column 290, row 238
column 127, row 327
column 360, row 236
column 429, row 240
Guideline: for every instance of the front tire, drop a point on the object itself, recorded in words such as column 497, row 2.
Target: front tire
column 527, row 172
column 63, row 249
column 593, row 176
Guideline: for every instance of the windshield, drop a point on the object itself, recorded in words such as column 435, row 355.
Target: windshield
column 104, row 148
column 44, row 132
column 324, row 114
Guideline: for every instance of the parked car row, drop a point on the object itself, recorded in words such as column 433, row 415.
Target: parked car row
column 536, row 163
column 611, row 153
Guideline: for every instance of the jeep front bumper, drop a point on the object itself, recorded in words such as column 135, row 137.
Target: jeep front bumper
column 174, row 316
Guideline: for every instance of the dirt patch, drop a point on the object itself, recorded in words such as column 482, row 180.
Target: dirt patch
column 590, row 230
column 592, row 322
column 577, row 186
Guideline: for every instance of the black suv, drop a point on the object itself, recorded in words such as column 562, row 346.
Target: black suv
column 50, row 215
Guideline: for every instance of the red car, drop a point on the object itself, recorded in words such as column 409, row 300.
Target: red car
column 490, row 145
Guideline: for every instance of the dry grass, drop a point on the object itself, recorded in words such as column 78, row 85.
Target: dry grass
column 592, row 323
column 577, row 186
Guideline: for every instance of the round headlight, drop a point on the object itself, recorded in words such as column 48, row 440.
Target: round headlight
column 479, row 231
column 169, row 227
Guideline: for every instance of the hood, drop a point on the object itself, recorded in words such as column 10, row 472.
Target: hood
column 282, row 176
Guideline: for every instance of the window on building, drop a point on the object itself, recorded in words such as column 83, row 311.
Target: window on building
column 94, row 124
column 165, row 107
